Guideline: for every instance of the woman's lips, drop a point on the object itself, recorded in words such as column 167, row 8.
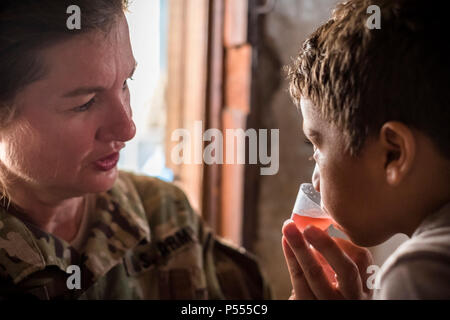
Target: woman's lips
column 107, row 163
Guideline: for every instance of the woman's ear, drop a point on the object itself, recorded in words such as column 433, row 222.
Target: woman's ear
column 399, row 148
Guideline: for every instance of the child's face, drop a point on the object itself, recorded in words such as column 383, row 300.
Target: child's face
column 351, row 187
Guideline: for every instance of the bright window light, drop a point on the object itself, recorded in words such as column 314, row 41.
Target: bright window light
column 145, row 153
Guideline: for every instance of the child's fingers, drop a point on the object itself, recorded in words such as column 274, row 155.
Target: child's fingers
column 360, row 256
column 347, row 271
column 327, row 269
column 312, row 269
column 298, row 280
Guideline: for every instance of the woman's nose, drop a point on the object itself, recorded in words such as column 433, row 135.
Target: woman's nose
column 119, row 125
column 316, row 178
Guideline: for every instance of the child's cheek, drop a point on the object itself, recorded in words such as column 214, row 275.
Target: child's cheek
column 318, row 157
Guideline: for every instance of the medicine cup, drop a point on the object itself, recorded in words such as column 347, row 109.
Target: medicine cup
column 307, row 209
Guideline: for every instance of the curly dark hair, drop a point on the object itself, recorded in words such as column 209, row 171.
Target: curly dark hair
column 359, row 78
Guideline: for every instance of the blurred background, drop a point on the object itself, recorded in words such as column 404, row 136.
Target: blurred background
column 221, row 62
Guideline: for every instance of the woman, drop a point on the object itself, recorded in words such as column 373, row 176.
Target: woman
column 71, row 224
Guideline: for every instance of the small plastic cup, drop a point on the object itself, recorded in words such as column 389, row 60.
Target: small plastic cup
column 307, row 209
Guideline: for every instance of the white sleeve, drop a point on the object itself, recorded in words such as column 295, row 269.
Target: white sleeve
column 416, row 278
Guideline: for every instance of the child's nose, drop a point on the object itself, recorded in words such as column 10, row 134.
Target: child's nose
column 316, row 178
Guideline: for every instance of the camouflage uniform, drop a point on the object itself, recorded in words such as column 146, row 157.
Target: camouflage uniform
column 144, row 242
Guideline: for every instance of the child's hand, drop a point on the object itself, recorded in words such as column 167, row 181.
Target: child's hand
column 310, row 271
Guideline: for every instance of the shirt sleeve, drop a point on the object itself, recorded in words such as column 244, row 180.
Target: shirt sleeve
column 235, row 272
column 416, row 278
column 230, row 272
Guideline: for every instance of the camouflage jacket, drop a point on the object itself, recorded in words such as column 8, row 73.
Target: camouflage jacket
column 144, row 242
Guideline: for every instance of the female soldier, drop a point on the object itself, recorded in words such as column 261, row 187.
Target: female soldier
column 72, row 225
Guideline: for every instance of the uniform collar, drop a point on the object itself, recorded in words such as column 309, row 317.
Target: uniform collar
column 118, row 224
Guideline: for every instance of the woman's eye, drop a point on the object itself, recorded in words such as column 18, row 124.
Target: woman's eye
column 85, row 106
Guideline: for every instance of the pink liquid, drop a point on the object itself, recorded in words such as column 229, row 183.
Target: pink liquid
column 302, row 222
column 323, row 223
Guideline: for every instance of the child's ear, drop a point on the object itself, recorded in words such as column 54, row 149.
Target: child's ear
column 399, row 147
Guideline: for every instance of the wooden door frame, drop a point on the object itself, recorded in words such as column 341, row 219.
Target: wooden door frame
column 221, row 97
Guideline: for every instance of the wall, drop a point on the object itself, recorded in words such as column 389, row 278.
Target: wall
column 285, row 29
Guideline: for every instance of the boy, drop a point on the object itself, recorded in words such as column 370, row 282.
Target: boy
column 375, row 107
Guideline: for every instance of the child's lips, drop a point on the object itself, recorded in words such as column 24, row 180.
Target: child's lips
column 335, row 224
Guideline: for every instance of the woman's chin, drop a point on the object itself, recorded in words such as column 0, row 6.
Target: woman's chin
column 103, row 181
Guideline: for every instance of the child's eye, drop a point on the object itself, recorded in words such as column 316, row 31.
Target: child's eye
column 309, row 143
column 85, row 106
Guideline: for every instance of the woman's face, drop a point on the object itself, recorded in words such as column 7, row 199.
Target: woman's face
column 77, row 115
